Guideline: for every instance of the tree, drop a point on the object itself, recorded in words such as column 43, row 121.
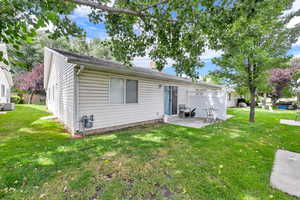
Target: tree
column 33, row 53
column 164, row 29
column 20, row 20
column 279, row 79
column 257, row 41
column 32, row 82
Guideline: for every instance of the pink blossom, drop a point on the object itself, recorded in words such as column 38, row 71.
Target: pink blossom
column 31, row 81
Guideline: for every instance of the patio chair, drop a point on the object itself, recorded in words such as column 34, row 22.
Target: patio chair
column 193, row 113
column 210, row 115
column 181, row 109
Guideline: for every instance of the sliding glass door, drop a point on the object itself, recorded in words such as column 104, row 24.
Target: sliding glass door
column 170, row 100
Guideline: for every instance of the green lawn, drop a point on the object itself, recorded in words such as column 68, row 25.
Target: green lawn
column 229, row 160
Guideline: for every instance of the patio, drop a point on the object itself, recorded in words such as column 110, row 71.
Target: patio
column 188, row 122
column 194, row 122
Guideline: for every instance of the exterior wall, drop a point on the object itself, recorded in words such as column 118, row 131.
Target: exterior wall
column 233, row 99
column 60, row 91
column 204, row 98
column 3, row 81
column 5, row 77
column 94, row 99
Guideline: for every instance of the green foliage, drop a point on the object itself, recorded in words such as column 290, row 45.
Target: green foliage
column 33, row 53
column 177, row 29
column 20, row 20
column 258, row 40
column 16, row 99
column 229, row 160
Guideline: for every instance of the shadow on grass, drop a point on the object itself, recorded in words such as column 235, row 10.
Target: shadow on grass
column 34, row 151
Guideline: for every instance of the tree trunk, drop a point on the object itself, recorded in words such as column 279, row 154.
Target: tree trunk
column 274, row 100
column 30, row 98
column 252, row 77
column 252, row 104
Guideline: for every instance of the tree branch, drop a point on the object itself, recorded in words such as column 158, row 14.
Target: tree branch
column 109, row 9
column 115, row 10
column 3, row 68
column 153, row 5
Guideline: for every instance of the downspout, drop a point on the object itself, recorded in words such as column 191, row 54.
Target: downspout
column 78, row 128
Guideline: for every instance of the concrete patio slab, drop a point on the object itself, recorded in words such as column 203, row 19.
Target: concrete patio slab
column 48, row 117
column 286, row 172
column 191, row 122
column 290, row 122
column 188, row 122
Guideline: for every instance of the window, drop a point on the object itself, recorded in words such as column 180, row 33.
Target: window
column 117, row 91
column 131, row 91
column 123, row 91
column 2, row 90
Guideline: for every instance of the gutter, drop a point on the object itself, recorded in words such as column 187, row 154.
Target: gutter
column 76, row 99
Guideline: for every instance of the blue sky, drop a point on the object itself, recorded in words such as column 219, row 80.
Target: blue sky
column 98, row 30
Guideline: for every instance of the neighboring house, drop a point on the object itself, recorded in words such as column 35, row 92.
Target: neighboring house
column 232, row 97
column 5, row 78
column 95, row 95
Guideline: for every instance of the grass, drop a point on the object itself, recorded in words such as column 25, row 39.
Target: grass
column 229, row 160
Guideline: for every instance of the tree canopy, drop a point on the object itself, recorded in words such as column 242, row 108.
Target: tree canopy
column 32, row 53
column 20, row 20
column 179, row 30
column 256, row 42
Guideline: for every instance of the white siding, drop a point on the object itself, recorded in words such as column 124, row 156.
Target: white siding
column 209, row 99
column 60, row 91
column 94, row 99
column 232, row 102
column 3, row 81
column 5, row 76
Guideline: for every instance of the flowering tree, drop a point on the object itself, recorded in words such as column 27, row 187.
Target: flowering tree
column 31, row 82
column 279, row 79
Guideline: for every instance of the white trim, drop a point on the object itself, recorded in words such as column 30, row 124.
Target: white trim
column 124, row 90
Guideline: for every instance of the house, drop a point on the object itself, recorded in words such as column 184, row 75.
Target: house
column 91, row 95
column 232, row 97
column 5, row 80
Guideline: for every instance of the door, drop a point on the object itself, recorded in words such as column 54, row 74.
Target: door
column 170, row 100
column 167, row 100
column 174, row 99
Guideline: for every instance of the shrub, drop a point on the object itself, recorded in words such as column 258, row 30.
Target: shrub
column 16, row 99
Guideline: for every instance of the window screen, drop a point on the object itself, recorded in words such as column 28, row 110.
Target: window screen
column 117, row 91
column 2, row 90
column 131, row 91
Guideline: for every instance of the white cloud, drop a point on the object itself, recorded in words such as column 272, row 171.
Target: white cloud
column 83, row 11
column 142, row 61
column 295, row 7
column 295, row 20
column 296, row 56
column 209, row 54
column 145, row 61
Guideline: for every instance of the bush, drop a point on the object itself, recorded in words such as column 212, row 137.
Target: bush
column 16, row 99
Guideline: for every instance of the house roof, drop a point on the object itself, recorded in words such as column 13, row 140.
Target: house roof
column 116, row 67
